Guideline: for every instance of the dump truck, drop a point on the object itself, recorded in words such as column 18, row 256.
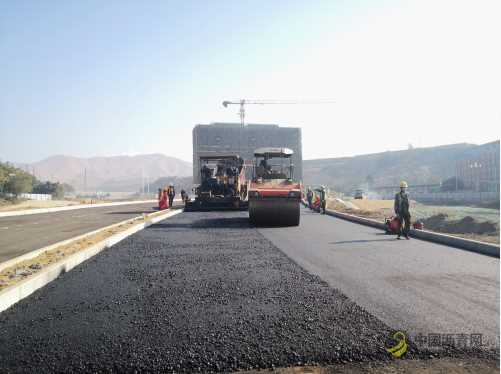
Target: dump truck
column 223, row 183
column 274, row 196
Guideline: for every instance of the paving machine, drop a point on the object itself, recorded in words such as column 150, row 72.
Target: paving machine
column 274, row 196
column 223, row 184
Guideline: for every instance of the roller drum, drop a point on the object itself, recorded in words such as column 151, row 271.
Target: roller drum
column 274, row 212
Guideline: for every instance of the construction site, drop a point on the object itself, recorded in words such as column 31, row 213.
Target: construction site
column 283, row 187
column 239, row 275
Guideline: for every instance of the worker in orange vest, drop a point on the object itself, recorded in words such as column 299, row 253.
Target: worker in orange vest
column 162, row 201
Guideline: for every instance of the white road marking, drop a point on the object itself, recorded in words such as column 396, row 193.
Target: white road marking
column 5, row 227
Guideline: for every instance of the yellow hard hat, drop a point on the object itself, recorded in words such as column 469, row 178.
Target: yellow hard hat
column 403, row 184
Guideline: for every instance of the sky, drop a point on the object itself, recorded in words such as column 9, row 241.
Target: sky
column 101, row 78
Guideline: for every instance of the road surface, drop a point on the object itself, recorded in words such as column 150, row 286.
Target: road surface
column 23, row 234
column 414, row 286
column 207, row 292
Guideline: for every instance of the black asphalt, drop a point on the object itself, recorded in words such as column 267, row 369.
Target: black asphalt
column 198, row 292
column 416, row 286
column 23, row 234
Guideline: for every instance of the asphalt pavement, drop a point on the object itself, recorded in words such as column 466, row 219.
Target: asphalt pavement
column 414, row 286
column 23, row 234
column 198, row 292
column 207, row 292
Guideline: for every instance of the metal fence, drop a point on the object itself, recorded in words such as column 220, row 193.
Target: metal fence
column 35, row 196
column 450, row 197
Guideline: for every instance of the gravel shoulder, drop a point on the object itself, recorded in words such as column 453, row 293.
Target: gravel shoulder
column 440, row 365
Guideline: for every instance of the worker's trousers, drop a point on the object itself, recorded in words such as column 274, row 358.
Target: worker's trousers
column 171, row 200
column 405, row 224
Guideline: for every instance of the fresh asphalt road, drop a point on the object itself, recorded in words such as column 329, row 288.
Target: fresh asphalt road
column 205, row 291
column 23, row 234
column 198, row 292
column 416, row 286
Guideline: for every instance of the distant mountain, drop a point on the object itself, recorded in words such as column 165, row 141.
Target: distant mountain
column 416, row 166
column 116, row 173
column 125, row 173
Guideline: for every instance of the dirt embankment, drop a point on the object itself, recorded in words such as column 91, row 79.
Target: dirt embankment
column 377, row 209
column 467, row 227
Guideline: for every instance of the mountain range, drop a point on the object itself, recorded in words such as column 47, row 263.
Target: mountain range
column 429, row 165
column 417, row 166
column 115, row 173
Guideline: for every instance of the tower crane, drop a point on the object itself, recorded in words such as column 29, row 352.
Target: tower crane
column 243, row 102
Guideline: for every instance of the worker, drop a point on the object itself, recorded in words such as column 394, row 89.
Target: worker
column 262, row 169
column 171, row 192
column 402, row 210
column 162, row 202
column 309, row 197
column 206, row 172
column 323, row 198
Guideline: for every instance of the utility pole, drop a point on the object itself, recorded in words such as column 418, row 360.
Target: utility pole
column 142, row 180
column 85, row 179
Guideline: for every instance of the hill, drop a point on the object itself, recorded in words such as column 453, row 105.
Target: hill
column 417, row 166
column 116, row 173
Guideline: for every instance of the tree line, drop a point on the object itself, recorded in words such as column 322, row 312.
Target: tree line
column 15, row 181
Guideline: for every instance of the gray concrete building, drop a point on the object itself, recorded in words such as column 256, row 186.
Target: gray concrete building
column 232, row 137
column 479, row 170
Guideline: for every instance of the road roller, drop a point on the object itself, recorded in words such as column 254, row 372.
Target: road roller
column 273, row 194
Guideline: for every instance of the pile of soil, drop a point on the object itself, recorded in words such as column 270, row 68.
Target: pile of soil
column 466, row 225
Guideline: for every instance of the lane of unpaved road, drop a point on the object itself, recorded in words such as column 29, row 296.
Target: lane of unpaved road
column 197, row 292
column 414, row 286
column 23, row 234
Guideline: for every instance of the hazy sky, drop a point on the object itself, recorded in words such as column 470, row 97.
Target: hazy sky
column 89, row 78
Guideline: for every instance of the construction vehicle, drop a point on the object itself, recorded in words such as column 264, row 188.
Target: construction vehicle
column 223, row 183
column 274, row 196
column 359, row 194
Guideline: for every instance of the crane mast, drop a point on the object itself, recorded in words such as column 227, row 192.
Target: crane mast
column 242, row 103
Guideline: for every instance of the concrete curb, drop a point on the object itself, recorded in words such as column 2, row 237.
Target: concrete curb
column 449, row 240
column 19, row 291
column 70, row 207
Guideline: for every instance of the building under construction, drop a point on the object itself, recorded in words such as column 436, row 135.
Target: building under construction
column 243, row 140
